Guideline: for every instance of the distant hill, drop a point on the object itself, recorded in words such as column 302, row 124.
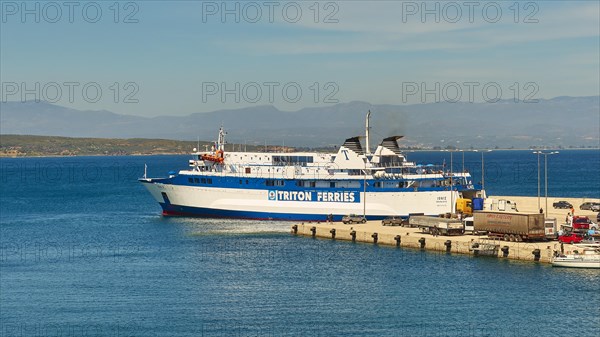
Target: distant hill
column 561, row 121
column 21, row 145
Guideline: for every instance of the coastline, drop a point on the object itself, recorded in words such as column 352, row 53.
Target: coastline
column 94, row 155
column 5, row 156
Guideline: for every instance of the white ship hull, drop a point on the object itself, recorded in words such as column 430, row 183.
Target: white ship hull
column 260, row 204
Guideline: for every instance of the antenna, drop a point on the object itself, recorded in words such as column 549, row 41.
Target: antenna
column 221, row 139
column 367, row 128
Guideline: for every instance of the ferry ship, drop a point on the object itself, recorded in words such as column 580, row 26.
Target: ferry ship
column 310, row 186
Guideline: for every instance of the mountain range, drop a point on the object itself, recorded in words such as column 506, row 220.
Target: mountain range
column 561, row 121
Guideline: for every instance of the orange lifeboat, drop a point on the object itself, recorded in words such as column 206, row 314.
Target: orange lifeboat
column 217, row 157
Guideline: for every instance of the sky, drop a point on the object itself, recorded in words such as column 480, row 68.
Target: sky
column 153, row 58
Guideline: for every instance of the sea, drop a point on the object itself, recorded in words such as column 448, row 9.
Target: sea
column 84, row 251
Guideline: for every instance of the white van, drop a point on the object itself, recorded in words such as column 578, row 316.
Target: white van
column 550, row 228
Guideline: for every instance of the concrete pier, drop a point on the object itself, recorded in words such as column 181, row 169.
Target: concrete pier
column 530, row 204
column 375, row 233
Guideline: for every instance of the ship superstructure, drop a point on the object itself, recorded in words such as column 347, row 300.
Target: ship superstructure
column 309, row 186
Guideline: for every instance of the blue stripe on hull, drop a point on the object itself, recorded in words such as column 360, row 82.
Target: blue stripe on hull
column 175, row 210
column 290, row 184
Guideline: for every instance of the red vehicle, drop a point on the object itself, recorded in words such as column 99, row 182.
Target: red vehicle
column 571, row 238
column 581, row 223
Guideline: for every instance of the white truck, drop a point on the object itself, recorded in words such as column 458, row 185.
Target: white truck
column 468, row 223
column 499, row 205
column 434, row 225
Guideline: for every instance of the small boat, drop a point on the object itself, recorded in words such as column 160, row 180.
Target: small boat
column 588, row 244
column 588, row 258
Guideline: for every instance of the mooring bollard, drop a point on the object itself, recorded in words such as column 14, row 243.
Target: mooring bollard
column 536, row 254
column 374, row 236
column 422, row 242
column 448, row 245
column 313, row 231
column 332, row 231
column 353, row 235
column 474, row 246
column 295, row 229
column 398, row 239
column 504, row 251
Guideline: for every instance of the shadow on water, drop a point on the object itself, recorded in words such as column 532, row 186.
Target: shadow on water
column 216, row 227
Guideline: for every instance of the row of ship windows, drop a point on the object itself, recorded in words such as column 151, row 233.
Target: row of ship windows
column 299, row 183
column 200, row 180
column 268, row 182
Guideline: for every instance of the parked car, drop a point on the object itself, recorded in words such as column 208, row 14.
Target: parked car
column 571, row 238
column 598, row 217
column 581, row 223
column 353, row 218
column 392, row 221
column 562, row 204
column 589, row 205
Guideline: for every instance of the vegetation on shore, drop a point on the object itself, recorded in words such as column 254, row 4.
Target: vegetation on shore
column 32, row 146
column 41, row 146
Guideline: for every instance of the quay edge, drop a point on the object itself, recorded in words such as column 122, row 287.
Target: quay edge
column 373, row 232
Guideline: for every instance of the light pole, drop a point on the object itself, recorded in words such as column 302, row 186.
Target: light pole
column 538, row 155
column 365, row 191
column 451, row 181
column 451, row 185
column 482, row 168
column 546, row 154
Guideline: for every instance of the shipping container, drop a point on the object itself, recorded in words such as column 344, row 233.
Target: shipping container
column 510, row 226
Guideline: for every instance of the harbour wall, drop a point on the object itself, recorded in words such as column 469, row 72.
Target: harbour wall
column 413, row 238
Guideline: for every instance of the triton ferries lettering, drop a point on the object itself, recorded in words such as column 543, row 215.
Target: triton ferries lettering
column 314, row 196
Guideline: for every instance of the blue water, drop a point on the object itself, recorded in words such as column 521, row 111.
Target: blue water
column 571, row 173
column 85, row 252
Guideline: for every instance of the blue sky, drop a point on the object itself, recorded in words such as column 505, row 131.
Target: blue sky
column 177, row 57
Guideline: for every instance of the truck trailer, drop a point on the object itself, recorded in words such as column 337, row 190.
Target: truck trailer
column 433, row 225
column 510, row 226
